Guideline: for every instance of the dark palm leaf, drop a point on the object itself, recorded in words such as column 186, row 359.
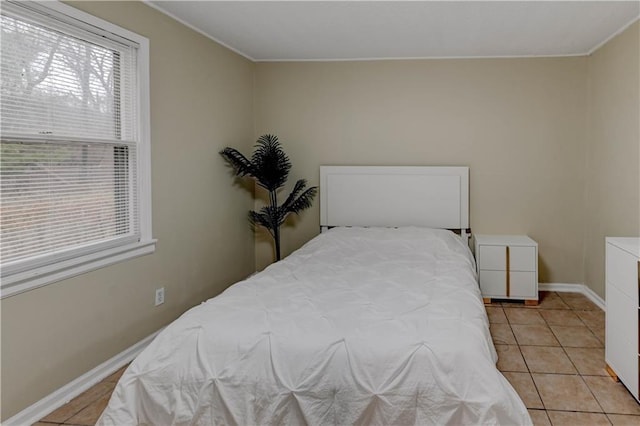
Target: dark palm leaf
column 239, row 162
column 297, row 189
column 301, row 203
column 270, row 163
column 262, row 218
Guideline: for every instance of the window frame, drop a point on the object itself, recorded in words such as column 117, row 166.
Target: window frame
column 79, row 261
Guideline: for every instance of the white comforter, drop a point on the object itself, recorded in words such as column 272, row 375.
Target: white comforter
column 359, row 326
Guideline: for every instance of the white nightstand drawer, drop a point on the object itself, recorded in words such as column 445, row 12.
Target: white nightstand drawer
column 495, row 258
column 493, row 283
column 522, row 259
column 523, row 284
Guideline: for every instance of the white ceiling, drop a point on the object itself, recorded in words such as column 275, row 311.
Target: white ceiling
column 341, row 30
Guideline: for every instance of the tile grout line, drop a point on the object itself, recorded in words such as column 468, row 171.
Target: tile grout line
column 535, row 386
column 525, row 362
column 577, row 370
column 561, row 345
column 581, row 376
column 572, row 363
column 575, row 312
column 577, row 373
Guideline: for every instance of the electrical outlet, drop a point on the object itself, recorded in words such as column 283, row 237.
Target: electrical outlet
column 159, row 296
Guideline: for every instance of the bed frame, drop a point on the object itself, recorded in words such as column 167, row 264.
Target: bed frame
column 389, row 196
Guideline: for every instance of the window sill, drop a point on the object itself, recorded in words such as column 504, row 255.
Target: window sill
column 41, row 276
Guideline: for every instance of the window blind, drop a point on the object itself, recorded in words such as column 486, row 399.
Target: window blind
column 69, row 137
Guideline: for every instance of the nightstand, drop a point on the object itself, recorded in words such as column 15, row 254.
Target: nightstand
column 507, row 267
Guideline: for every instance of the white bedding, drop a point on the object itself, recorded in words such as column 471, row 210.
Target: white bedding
column 359, row 326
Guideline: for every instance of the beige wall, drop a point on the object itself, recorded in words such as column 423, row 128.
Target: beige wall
column 201, row 101
column 612, row 205
column 518, row 123
column 526, row 127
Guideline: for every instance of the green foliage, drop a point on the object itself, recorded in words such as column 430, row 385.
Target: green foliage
column 270, row 166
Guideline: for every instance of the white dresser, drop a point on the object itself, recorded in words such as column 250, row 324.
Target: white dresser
column 622, row 353
column 507, row 267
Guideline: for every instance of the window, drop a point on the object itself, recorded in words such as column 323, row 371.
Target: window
column 74, row 154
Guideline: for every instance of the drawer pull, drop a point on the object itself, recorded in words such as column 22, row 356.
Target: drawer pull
column 508, row 273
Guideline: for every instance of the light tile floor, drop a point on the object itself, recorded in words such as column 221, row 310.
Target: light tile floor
column 553, row 355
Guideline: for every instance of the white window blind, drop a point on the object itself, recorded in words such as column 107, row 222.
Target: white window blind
column 70, row 138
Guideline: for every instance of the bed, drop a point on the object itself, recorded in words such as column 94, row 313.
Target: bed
column 375, row 322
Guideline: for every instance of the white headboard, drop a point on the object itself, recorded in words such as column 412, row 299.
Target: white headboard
column 435, row 197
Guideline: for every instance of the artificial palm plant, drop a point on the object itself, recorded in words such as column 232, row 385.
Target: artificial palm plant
column 270, row 167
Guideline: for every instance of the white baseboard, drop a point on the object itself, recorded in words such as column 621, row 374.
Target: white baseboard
column 58, row 398
column 575, row 288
